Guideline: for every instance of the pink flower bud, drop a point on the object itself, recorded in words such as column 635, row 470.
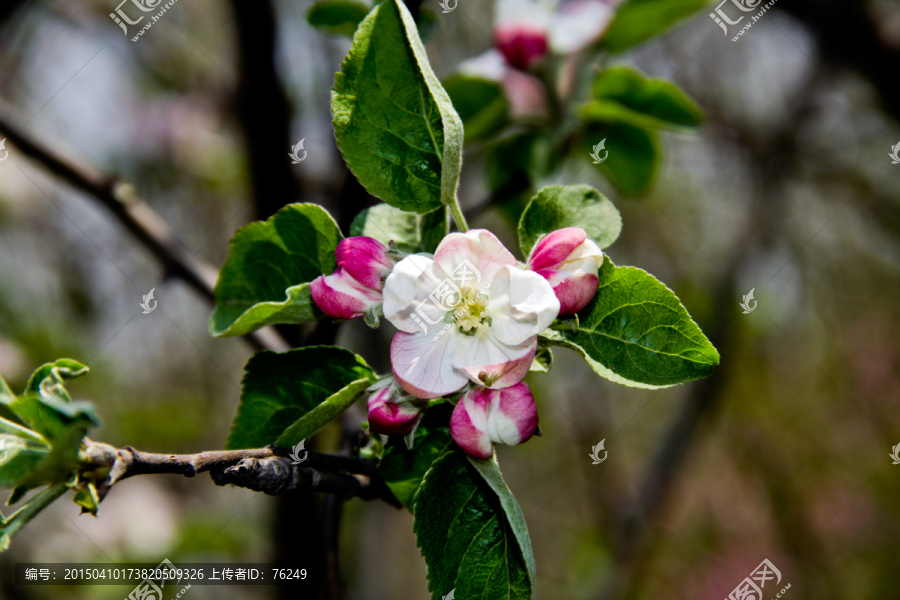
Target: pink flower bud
column 569, row 262
column 522, row 44
column 355, row 287
column 392, row 412
column 365, row 259
column 484, row 417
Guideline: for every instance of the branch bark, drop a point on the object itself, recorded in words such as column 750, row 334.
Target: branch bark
column 270, row 470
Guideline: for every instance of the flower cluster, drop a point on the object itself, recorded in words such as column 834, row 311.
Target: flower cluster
column 468, row 319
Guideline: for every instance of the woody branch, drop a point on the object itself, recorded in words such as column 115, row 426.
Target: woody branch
column 269, row 470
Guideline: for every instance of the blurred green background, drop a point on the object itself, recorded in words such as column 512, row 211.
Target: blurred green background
column 787, row 189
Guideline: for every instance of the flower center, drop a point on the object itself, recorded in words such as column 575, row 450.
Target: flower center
column 470, row 314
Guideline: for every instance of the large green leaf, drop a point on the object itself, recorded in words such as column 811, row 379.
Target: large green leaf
column 625, row 95
column 633, row 158
column 636, row 332
column 636, row 21
column 280, row 389
column 404, row 468
column 556, row 207
column 337, row 17
column 265, row 278
column 410, row 231
column 481, row 105
column 394, row 123
column 466, row 537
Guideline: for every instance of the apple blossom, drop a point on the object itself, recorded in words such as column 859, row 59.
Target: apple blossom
column 354, row 289
column 570, row 262
column 468, row 314
column 484, row 417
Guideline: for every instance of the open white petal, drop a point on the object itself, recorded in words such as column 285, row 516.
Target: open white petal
column 424, row 366
column 521, row 305
column 406, row 302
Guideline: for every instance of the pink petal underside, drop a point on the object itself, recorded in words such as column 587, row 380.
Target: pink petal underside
column 555, row 248
column 468, row 426
column 423, row 366
column 575, row 292
column 512, row 417
column 342, row 297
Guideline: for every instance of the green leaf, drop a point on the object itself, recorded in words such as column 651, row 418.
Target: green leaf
column 279, row 389
column 490, row 471
column 52, row 416
column 411, row 232
column 636, row 21
column 636, row 332
column 481, row 105
column 394, row 123
column 337, row 17
column 61, row 461
column 404, row 468
column 19, row 458
column 323, row 414
column 556, row 207
column 265, row 278
column 17, row 494
column 543, row 360
column 624, row 95
column 88, row 499
column 633, row 159
column 21, row 517
column 466, row 537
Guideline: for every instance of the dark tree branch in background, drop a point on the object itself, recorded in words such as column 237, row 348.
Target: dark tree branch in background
column 848, row 35
column 263, row 108
column 269, row 470
column 138, row 218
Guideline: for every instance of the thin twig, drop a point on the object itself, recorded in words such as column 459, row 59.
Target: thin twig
column 137, row 217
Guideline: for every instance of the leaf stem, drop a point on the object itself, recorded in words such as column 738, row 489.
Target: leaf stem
column 458, row 216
